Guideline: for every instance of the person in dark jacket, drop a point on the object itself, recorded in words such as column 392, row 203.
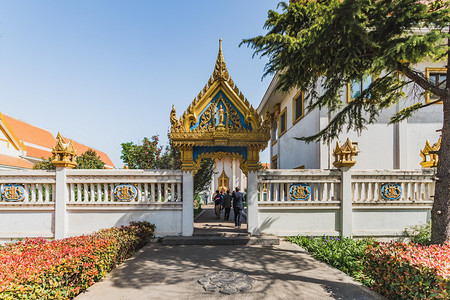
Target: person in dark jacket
column 238, row 206
column 217, row 203
column 227, row 204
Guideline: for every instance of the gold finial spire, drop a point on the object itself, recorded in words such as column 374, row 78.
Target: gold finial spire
column 220, row 70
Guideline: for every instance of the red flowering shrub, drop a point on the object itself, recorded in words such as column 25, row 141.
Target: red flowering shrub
column 61, row 269
column 409, row 271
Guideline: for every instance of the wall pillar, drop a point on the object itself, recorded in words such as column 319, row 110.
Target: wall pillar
column 346, row 203
column 252, row 203
column 187, row 228
column 61, row 197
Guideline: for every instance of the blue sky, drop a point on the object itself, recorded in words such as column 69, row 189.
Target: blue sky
column 108, row 72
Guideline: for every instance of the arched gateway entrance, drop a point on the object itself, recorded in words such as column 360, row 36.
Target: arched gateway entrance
column 221, row 124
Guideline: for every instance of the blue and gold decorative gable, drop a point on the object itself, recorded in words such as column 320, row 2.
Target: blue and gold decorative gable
column 220, row 122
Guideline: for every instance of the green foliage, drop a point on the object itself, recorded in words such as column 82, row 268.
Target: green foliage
column 202, row 179
column 142, row 156
column 331, row 43
column 342, row 253
column 89, row 160
column 419, row 234
column 45, row 164
column 61, row 269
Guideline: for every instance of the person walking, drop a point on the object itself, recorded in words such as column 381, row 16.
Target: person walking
column 217, row 204
column 227, row 204
column 238, row 206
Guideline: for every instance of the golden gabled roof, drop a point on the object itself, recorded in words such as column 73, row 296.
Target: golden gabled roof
column 220, row 81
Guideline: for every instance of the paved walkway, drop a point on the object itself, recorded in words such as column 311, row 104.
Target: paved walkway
column 208, row 223
column 171, row 272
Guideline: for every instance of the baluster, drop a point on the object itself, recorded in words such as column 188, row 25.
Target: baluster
column 275, row 192
column 27, row 197
column 179, row 192
column 106, row 192
column 260, row 187
column 376, row 191
column 145, row 192
column 39, row 186
column 139, row 193
column 324, row 194
column 46, row 193
column 422, row 191
column 166, row 191
column 282, row 191
column 427, row 191
column 159, row 193
column 99, row 192
column 269, row 192
column 85, row 192
column 53, row 192
column 92, row 192
column 72, row 192
column 316, row 192
column 33, row 192
column 152, row 188
column 172, row 192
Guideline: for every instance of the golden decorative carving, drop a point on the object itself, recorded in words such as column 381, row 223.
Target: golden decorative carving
column 173, row 118
column 64, row 154
column 229, row 130
column 343, row 156
column 431, row 153
column 223, row 181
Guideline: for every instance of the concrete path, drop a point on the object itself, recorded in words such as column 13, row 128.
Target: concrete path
column 207, row 223
column 171, row 272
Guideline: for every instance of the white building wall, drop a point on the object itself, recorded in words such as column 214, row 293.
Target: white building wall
column 382, row 146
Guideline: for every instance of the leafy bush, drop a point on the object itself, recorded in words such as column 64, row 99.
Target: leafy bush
column 419, row 234
column 409, row 271
column 342, row 253
column 61, row 269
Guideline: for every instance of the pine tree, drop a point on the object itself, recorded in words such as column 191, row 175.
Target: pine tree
column 330, row 43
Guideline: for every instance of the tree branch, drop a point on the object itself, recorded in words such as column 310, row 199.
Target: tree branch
column 420, row 81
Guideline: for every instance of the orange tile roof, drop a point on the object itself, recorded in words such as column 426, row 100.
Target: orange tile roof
column 38, row 153
column 80, row 148
column 31, row 134
column 11, row 161
column 265, row 166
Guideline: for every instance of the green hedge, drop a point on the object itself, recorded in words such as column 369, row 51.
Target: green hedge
column 61, row 269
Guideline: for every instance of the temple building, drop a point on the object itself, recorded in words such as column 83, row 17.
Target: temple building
column 405, row 145
column 22, row 145
column 222, row 125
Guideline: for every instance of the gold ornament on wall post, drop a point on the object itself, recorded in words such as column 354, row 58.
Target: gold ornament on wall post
column 430, row 155
column 64, row 154
column 343, row 156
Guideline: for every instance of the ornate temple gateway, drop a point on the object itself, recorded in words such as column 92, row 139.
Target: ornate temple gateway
column 221, row 124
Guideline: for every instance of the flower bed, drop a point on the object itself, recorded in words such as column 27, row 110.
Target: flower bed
column 342, row 253
column 409, row 271
column 61, row 269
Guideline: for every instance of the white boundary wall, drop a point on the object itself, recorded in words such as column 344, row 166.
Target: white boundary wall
column 66, row 202
column 343, row 202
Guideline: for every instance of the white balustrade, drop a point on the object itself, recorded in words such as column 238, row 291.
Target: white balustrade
column 147, row 186
column 38, row 186
column 275, row 185
column 414, row 186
